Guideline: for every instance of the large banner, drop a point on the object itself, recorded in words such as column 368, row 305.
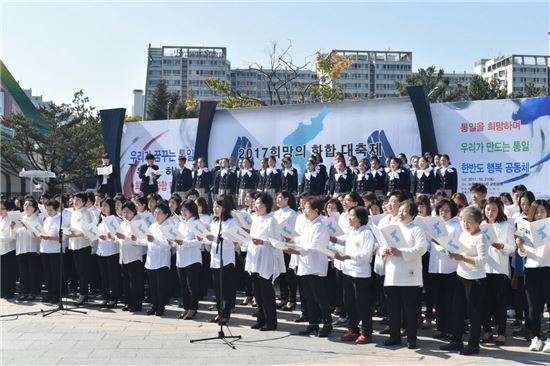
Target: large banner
column 383, row 127
column 499, row 143
column 165, row 139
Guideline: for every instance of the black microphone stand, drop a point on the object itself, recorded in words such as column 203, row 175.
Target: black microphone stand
column 60, row 306
column 219, row 241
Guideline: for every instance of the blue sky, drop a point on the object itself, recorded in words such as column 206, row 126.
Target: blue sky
column 57, row 48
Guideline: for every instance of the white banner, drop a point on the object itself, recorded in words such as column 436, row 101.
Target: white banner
column 166, row 140
column 499, row 143
column 382, row 127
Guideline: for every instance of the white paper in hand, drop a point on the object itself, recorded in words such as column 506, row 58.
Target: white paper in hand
column 34, row 226
column 15, row 216
column 199, row 228
column 112, row 223
column 171, row 232
column 333, row 228
column 104, row 170
column 90, row 231
column 375, row 219
column 140, row 229
column 433, row 226
column 394, row 236
column 243, row 218
column 238, row 234
column 281, row 245
column 452, row 245
column 288, row 231
column 540, row 232
column 378, row 235
column 489, row 233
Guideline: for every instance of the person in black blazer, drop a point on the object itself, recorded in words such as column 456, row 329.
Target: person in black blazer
column 446, row 177
column 362, row 181
column 262, row 176
column 289, row 177
column 396, row 178
column 202, row 178
column 423, row 179
column 377, row 179
column 311, row 181
column 105, row 183
column 149, row 184
column 273, row 181
column 225, row 180
column 182, row 179
column 341, row 180
column 321, row 172
column 246, row 180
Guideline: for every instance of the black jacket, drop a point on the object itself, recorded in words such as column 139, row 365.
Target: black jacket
column 145, row 187
column 447, row 181
column 181, row 182
column 203, row 181
column 289, row 182
column 109, row 187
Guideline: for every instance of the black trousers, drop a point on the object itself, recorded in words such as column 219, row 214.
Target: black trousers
column 426, row 293
column 189, row 279
column 95, row 274
column 468, row 299
column 357, row 298
column 288, row 283
column 30, row 273
column 133, row 284
column 402, row 308
column 340, row 293
column 303, row 299
column 69, row 270
column 229, row 289
column 175, row 288
column 9, row 273
column 265, row 298
column 52, row 273
column 82, row 261
column 537, row 288
column 318, row 308
column 111, row 280
column 443, row 287
column 244, row 279
column 495, row 302
column 159, row 287
column 206, row 274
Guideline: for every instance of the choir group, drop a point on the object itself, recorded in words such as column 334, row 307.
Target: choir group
column 359, row 239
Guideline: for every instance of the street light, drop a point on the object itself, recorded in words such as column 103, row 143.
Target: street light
column 168, row 110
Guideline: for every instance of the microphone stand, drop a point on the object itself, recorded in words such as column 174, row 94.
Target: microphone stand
column 221, row 335
column 60, row 306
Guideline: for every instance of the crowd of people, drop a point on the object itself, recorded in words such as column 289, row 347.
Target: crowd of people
column 295, row 254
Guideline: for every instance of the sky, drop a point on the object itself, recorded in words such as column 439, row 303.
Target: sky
column 59, row 47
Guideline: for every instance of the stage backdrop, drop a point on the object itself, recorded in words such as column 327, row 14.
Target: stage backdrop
column 165, row 139
column 499, row 143
column 381, row 127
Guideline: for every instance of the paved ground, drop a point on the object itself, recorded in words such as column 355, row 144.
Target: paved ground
column 116, row 337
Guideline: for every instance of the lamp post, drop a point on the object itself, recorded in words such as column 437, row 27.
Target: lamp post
column 168, row 110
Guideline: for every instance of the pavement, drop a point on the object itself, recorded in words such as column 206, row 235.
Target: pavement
column 114, row 337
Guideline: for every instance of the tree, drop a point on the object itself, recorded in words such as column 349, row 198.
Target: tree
column 329, row 67
column 133, row 118
column 157, row 107
column 459, row 94
column 69, row 147
column 191, row 105
column 231, row 98
column 481, row 89
column 435, row 82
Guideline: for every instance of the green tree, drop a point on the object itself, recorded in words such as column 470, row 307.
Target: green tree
column 329, row 67
column 133, row 118
column 70, row 146
column 231, row 98
column 157, row 107
column 434, row 81
column 459, row 94
column 191, row 105
column 481, row 89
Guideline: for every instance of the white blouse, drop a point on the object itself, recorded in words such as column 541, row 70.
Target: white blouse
column 25, row 241
column 190, row 251
column 264, row 259
column 79, row 219
column 51, row 228
column 158, row 250
column 536, row 258
column 228, row 246
column 477, row 248
column 108, row 247
column 406, row 269
column 311, row 261
column 360, row 246
column 498, row 260
column 7, row 236
column 440, row 263
column 130, row 250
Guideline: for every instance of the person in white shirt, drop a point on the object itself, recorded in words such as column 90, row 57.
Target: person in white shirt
column 7, row 251
column 49, row 252
column 403, row 276
column 27, row 249
column 312, row 267
column 497, row 268
column 264, row 262
column 158, row 261
column 537, row 275
column 222, row 257
column 79, row 244
column 131, row 257
column 206, row 274
column 442, row 269
column 189, row 262
column 469, row 286
column 356, row 267
column 288, row 283
column 108, row 252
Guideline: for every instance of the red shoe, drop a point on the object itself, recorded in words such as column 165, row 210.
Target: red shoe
column 349, row 337
column 363, row 339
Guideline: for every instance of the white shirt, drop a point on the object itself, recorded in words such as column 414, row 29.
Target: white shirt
column 264, row 259
column 130, row 251
column 158, row 250
column 406, row 269
column 286, row 215
column 79, row 219
column 7, row 236
column 25, row 242
column 311, row 261
column 228, row 246
column 379, row 263
column 498, row 260
column 477, row 248
column 440, row 262
column 536, row 258
column 359, row 245
column 51, row 228
column 190, row 251
column 108, row 247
